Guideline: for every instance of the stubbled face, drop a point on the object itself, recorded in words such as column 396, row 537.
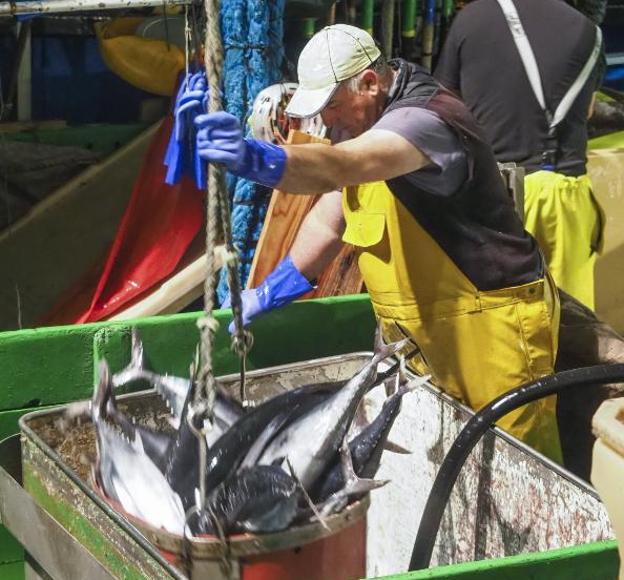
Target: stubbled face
column 354, row 112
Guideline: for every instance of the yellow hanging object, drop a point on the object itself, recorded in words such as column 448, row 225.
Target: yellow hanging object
column 564, row 217
column 476, row 344
column 148, row 64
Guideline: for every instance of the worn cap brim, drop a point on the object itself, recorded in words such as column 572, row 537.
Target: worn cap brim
column 309, row 102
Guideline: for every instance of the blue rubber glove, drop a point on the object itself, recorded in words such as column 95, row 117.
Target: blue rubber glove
column 281, row 286
column 181, row 155
column 220, row 140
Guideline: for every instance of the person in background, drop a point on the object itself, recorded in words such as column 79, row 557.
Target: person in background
column 528, row 70
column 444, row 256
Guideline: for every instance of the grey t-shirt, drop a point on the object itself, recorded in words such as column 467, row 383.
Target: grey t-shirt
column 428, row 132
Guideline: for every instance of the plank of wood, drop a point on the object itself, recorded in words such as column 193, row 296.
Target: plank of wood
column 181, row 289
column 285, row 215
column 50, row 249
column 18, row 126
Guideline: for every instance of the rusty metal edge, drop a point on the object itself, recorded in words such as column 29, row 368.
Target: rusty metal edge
column 126, row 526
column 35, row 528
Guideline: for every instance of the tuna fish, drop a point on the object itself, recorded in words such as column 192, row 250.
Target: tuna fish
column 124, row 471
column 262, row 498
column 310, row 443
column 366, row 448
column 260, row 462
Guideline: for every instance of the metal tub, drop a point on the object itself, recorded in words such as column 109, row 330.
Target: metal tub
column 508, row 500
column 56, row 474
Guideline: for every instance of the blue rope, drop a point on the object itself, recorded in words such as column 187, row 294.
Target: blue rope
column 253, row 33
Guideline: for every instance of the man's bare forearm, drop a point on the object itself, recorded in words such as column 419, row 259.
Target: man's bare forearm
column 373, row 156
column 319, row 239
column 312, row 168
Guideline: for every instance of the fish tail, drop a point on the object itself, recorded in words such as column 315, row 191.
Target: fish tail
column 102, row 393
column 409, row 386
column 136, row 366
column 383, row 350
column 355, row 485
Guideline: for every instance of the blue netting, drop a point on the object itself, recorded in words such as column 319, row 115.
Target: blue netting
column 253, row 33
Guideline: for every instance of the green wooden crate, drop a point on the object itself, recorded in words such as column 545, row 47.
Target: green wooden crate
column 52, row 366
column 597, row 561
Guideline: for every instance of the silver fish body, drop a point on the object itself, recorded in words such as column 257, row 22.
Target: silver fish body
column 125, row 471
column 311, row 442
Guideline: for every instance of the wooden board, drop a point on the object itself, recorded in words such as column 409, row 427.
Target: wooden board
column 285, row 215
column 606, row 171
column 60, row 240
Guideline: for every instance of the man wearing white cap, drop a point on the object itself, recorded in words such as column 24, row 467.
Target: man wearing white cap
column 444, row 256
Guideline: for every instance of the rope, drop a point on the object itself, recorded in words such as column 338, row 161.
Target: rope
column 217, row 216
column 248, row 25
column 204, row 395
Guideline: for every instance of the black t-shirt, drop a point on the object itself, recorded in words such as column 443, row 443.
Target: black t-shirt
column 481, row 62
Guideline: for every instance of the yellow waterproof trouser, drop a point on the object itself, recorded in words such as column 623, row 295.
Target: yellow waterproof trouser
column 476, row 345
column 566, row 220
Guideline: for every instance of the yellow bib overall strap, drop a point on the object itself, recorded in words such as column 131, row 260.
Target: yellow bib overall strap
column 469, row 340
column 568, row 223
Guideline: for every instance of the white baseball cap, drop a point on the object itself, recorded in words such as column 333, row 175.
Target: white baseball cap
column 334, row 54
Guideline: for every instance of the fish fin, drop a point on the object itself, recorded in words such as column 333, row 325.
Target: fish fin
column 76, row 410
column 336, row 502
column 383, row 376
column 360, row 420
column 277, row 462
column 136, row 367
column 102, row 392
column 355, row 485
column 410, row 386
column 317, row 514
column 174, row 421
column 383, row 351
column 393, row 447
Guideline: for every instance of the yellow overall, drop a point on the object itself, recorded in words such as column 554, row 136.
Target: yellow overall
column 566, row 220
column 477, row 345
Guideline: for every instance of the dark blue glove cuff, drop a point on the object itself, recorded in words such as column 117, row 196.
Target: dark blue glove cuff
column 262, row 162
column 282, row 286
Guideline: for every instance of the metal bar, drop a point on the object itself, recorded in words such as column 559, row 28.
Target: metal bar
column 49, row 544
column 410, row 10
column 368, row 13
column 24, row 73
column 65, row 6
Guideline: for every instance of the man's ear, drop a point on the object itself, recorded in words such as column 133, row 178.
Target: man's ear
column 369, row 82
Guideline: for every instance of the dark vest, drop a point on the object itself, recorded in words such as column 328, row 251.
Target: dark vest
column 477, row 226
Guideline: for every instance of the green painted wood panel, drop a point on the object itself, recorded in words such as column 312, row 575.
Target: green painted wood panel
column 49, row 366
column 10, row 549
column 597, row 561
column 12, row 571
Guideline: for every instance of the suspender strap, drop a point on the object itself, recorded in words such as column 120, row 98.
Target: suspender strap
column 530, row 66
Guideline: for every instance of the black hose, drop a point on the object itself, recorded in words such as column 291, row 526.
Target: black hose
column 476, row 427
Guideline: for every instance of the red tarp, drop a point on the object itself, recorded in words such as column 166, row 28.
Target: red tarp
column 157, row 228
